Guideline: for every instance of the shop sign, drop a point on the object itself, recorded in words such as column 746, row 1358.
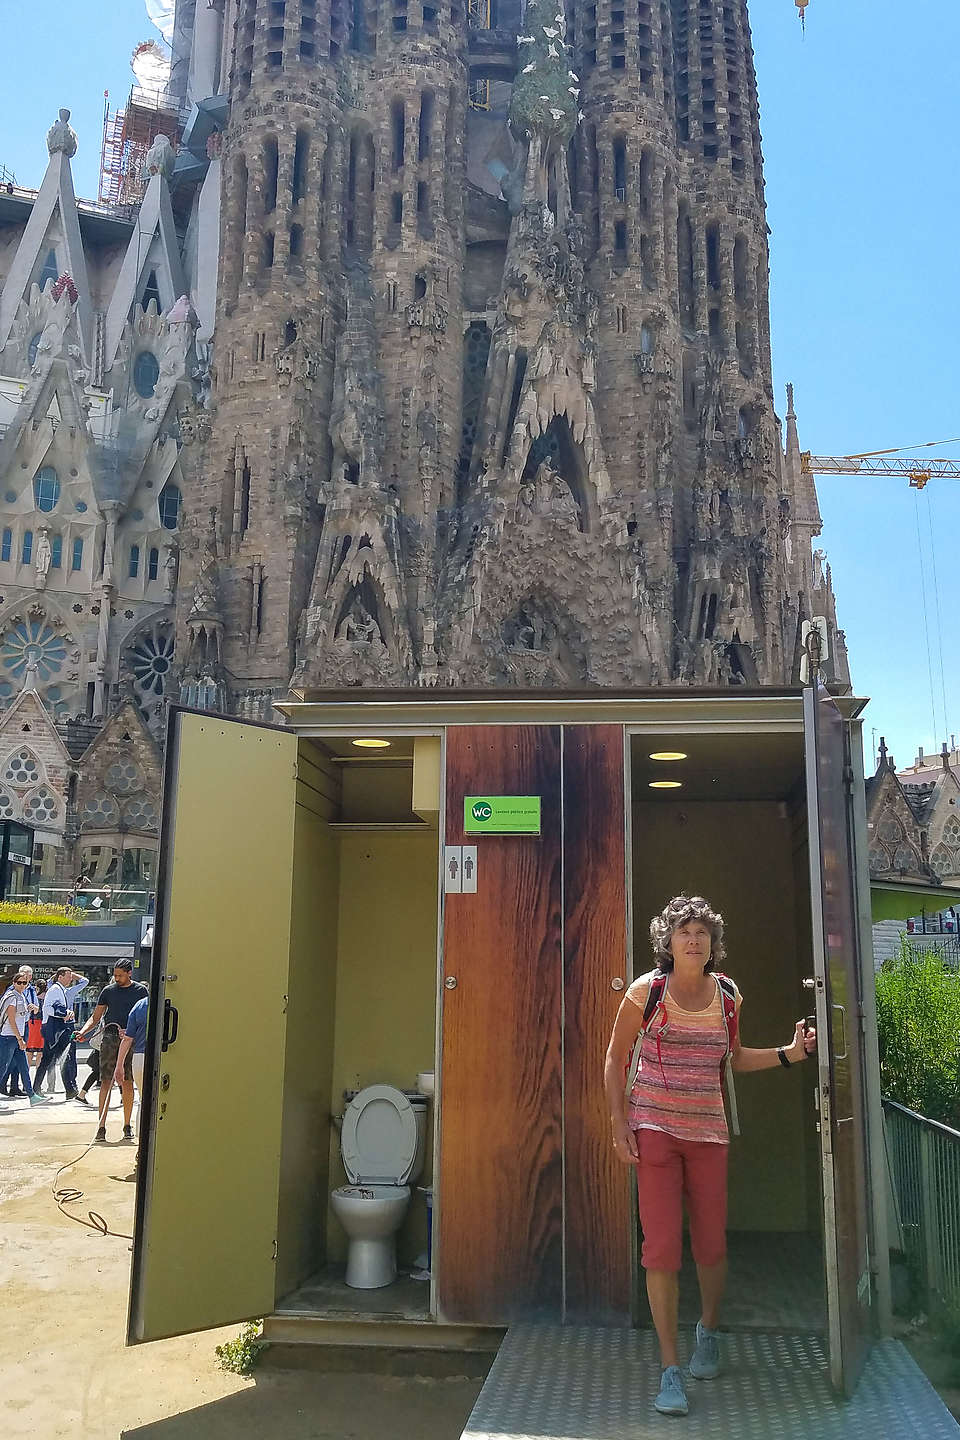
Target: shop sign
column 66, row 951
column 501, row 814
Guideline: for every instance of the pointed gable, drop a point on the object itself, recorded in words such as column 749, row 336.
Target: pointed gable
column 56, row 395
column 120, row 777
column 35, row 767
column 53, row 228
column 152, row 266
column 895, row 836
column 943, row 825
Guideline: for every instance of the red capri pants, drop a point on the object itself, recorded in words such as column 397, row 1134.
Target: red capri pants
column 670, row 1171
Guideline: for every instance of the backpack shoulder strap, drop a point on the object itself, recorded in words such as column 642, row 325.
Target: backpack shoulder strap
column 658, row 984
column 728, row 996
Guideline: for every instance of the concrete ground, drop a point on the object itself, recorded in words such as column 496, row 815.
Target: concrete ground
column 64, row 1370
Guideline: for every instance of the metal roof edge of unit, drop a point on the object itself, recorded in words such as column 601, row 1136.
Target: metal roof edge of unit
column 678, row 712
column 917, row 887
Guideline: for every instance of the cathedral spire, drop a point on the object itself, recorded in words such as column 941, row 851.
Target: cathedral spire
column 793, row 440
column 153, row 253
column 51, row 247
column 543, row 105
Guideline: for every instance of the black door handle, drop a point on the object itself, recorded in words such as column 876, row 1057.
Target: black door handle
column 171, row 1024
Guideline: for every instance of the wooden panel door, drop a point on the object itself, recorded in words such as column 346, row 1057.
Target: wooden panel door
column 597, row 1188
column 499, row 1202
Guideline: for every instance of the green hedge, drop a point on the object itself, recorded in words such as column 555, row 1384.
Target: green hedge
column 918, row 1019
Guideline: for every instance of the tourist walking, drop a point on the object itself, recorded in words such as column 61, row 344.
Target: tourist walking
column 12, row 1086
column 13, row 1025
column 113, row 1007
column 58, row 1019
column 35, row 1026
column 674, row 1131
column 134, row 1044
column 68, row 1069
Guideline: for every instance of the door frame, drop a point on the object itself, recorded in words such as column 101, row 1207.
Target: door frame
column 364, row 726
column 848, row 1351
column 679, row 723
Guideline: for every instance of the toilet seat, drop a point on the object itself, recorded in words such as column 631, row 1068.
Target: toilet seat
column 379, row 1137
column 371, row 1192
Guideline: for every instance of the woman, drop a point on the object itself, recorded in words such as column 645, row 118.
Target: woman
column 13, row 1025
column 35, row 1029
column 672, row 1124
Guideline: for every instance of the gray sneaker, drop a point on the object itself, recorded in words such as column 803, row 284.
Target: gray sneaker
column 705, row 1360
column 672, row 1397
column 36, row 1099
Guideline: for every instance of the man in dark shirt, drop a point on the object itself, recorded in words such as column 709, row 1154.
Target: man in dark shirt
column 114, row 1004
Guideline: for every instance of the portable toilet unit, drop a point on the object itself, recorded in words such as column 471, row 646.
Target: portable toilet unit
column 470, row 897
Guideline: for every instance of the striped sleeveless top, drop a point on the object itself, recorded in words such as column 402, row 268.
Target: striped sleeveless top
column 677, row 1086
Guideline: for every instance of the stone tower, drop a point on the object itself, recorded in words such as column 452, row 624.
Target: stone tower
column 493, row 399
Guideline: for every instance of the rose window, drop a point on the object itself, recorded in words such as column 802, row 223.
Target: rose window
column 22, row 769
column 32, row 641
column 951, row 831
column 41, row 807
column 140, row 814
column 7, row 808
column 890, row 830
column 123, row 777
column 151, row 658
column 101, row 812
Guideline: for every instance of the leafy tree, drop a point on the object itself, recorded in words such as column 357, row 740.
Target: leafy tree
column 918, row 1019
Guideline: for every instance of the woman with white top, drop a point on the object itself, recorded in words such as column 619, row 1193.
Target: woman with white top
column 13, row 1049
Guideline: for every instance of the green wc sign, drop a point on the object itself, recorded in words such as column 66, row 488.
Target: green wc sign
column 501, row 814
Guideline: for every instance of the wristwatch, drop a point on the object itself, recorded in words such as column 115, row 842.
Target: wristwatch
column 782, row 1057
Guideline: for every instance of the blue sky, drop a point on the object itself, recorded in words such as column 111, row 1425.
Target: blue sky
column 860, row 124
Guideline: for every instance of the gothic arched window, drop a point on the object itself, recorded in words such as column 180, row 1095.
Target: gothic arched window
column 168, row 504
column 46, row 489
column 146, row 373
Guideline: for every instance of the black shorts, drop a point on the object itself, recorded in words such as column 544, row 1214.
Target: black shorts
column 109, row 1049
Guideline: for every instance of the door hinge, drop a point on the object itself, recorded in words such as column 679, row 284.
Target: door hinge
column 275, row 1251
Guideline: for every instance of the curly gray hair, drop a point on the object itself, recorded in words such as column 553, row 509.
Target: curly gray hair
column 679, row 911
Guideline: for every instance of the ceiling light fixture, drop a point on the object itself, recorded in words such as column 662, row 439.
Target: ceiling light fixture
column 666, row 784
column 369, row 744
column 669, row 755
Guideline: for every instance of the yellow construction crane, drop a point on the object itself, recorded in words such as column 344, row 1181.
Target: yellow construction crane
column 882, row 462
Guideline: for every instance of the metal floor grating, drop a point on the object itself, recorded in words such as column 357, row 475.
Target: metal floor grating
column 581, row 1383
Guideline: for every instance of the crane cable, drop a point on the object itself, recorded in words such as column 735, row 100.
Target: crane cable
column 926, row 623
column 936, row 595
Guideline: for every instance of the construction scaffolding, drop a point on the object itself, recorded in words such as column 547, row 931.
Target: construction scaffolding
column 127, row 136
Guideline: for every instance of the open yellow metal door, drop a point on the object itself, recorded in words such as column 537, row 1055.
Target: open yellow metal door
column 208, row 1176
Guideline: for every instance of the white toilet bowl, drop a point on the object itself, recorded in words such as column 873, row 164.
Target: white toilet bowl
column 382, row 1140
column 371, row 1216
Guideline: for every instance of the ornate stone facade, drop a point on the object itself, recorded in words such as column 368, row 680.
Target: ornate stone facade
column 478, row 392
column 493, row 401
